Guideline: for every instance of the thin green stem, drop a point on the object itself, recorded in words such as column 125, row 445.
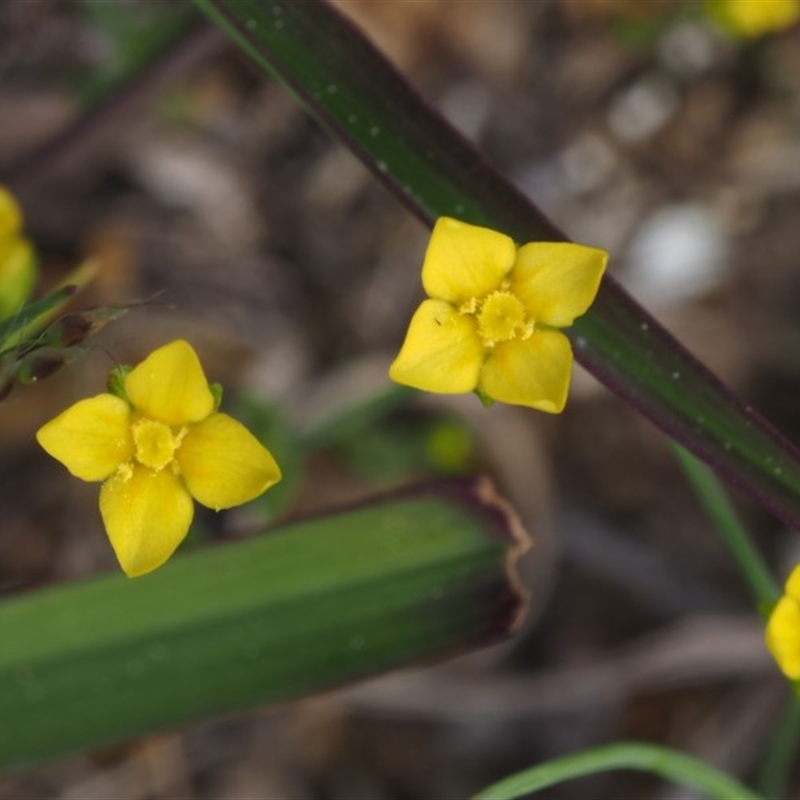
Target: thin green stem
column 781, row 754
column 662, row 761
column 715, row 500
column 351, row 420
column 783, row 747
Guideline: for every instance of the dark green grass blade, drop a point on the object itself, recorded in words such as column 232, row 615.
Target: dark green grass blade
column 349, row 86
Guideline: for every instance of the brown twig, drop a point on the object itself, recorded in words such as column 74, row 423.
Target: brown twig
column 80, row 137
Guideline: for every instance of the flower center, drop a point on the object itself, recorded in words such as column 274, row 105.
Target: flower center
column 155, row 443
column 502, row 317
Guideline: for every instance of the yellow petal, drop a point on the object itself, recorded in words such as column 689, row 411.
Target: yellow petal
column 533, row 372
column 783, row 636
column 465, row 261
column 90, row 438
column 10, row 214
column 223, row 464
column 442, row 352
column 557, row 281
column 170, row 386
column 147, row 515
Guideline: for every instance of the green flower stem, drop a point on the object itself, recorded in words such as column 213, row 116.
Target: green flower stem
column 351, row 420
column 766, row 592
column 781, row 754
column 662, row 761
column 714, row 499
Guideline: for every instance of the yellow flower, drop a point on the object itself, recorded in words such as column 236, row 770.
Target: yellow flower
column 10, row 215
column 490, row 323
column 17, row 260
column 783, row 628
column 754, row 18
column 155, row 451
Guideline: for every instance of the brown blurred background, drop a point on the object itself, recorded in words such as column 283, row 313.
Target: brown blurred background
column 204, row 188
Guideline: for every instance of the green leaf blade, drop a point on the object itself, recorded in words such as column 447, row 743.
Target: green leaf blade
column 301, row 609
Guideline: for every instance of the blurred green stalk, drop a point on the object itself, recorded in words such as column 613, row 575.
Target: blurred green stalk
column 781, row 753
column 713, row 497
column 662, row 761
column 782, row 750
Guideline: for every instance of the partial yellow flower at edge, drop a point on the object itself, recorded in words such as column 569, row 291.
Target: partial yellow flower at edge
column 754, row 18
column 17, row 258
column 783, row 628
column 17, row 274
column 490, row 323
column 157, row 451
column 10, row 215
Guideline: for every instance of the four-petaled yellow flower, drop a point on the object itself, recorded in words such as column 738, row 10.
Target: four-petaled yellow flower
column 783, row 628
column 155, row 451
column 490, row 323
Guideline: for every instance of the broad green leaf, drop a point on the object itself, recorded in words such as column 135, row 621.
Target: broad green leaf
column 342, row 79
column 296, row 610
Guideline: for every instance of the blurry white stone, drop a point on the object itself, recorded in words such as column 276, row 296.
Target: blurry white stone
column 196, row 178
column 678, row 254
column 688, row 49
column 588, row 163
column 609, row 218
column 542, row 181
column 278, row 371
column 467, row 107
column 641, row 110
column 336, row 180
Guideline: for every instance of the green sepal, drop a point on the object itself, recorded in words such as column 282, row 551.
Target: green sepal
column 216, row 392
column 483, row 397
column 116, row 381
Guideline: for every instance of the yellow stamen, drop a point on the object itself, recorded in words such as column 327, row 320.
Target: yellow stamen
column 469, row 307
column 124, row 471
column 502, row 317
column 155, row 443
